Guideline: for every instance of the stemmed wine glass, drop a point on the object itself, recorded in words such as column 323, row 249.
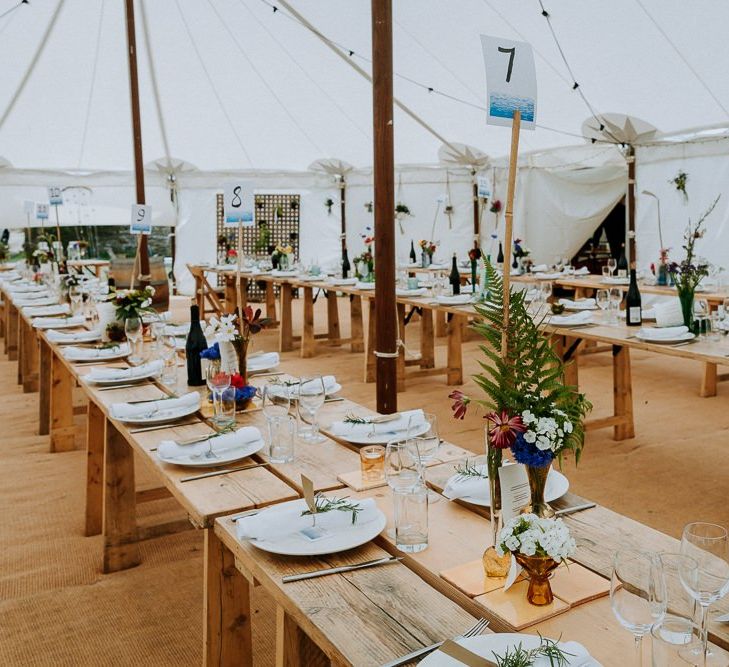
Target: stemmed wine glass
column 705, row 575
column 311, row 397
column 602, row 298
column 616, row 298
column 612, row 264
column 426, row 444
column 133, row 330
column 218, row 381
column 76, row 298
column 638, row 593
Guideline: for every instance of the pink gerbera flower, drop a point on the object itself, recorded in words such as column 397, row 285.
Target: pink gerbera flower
column 505, row 429
column 460, row 403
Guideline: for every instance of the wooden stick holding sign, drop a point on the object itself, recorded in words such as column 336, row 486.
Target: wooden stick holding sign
column 238, row 210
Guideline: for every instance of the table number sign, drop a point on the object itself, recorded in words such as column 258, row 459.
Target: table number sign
column 41, row 211
column 484, row 187
column 141, row 219
column 238, row 203
column 55, row 197
column 511, row 81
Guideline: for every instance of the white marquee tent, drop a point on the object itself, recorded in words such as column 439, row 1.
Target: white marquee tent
column 232, row 86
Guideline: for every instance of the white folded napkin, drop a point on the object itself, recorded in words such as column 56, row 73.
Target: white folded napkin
column 42, row 301
column 84, row 353
column 438, row 265
column 309, row 277
column 37, row 311
column 365, row 285
column 292, row 390
column 663, row 333
column 131, row 373
column 264, row 360
column 345, row 429
column 169, row 449
column 467, row 486
column 51, row 322
column 579, row 304
column 277, row 272
column 541, row 275
column 343, row 281
column 142, row 410
column 539, row 268
column 616, row 280
column 582, row 271
column 26, row 288
column 454, row 300
column 176, row 329
column 280, row 522
column 582, row 317
column 419, row 291
column 668, row 313
column 75, row 337
column 30, row 298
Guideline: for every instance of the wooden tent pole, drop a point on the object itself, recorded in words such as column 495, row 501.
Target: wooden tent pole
column 142, row 255
column 343, row 208
column 509, row 222
column 476, row 213
column 631, row 205
column 384, row 181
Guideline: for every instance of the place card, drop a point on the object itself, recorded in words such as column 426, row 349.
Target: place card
column 355, row 482
column 515, row 491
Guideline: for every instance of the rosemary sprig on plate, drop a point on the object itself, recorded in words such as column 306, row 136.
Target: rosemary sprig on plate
column 351, row 418
column 521, row 657
column 325, row 504
column 469, row 469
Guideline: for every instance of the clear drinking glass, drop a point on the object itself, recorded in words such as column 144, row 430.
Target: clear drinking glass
column 605, row 272
column 227, row 407
column 218, row 380
column 411, row 519
column 403, row 467
column 372, row 462
column 546, row 289
column 428, row 442
column 612, row 264
column 133, row 330
column 76, row 298
column 169, row 360
column 673, row 637
column 616, row 298
column 275, row 401
column 281, row 438
column 311, row 397
column 602, row 298
column 637, row 593
column 708, row 580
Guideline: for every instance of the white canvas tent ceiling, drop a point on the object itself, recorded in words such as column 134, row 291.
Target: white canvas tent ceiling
column 242, row 87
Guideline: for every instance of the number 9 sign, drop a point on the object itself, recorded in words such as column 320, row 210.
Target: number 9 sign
column 511, row 81
column 141, row 219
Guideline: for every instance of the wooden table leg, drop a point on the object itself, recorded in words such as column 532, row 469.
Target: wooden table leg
column 44, row 401
column 455, row 351
column 30, row 359
column 708, row 380
column 12, row 332
column 95, row 439
column 285, row 333
column 370, row 359
column 356, row 323
column 333, row 330
column 441, row 324
column 271, row 300
column 293, row 646
column 226, row 613
column 401, row 351
column 622, row 393
column 230, row 296
column 308, row 342
column 61, row 423
column 20, row 370
column 121, row 550
column 427, row 340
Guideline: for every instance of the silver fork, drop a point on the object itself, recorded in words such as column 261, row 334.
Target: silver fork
column 476, row 629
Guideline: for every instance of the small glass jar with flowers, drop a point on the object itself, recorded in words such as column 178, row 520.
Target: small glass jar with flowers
column 364, row 263
column 538, row 545
column 427, row 250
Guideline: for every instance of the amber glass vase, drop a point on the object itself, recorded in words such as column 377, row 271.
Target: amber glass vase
column 538, row 569
column 537, row 484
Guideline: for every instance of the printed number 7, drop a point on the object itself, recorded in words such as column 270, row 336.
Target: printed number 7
column 511, row 51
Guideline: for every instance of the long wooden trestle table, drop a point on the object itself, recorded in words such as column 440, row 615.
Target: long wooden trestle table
column 359, row 618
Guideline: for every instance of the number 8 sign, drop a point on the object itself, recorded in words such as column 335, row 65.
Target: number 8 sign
column 511, row 81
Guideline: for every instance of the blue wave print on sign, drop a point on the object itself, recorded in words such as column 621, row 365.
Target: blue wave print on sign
column 504, row 106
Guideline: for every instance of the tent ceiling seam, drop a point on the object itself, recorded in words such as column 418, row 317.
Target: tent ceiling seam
column 97, row 48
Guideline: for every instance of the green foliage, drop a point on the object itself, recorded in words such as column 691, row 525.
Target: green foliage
column 530, row 376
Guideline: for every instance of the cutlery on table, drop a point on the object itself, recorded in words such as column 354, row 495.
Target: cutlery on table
column 264, row 374
column 122, row 386
column 221, row 472
column 476, row 629
column 576, row 508
column 164, row 397
column 242, row 515
column 464, row 656
column 146, row 429
column 386, row 560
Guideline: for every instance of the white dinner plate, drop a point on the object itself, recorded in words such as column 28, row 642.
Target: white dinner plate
column 343, row 281
column 577, row 325
column 90, row 336
column 293, row 391
column 121, row 353
column 254, row 365
column 420, row 291
column 161, row 417
column 384, row 438
column 297, row 545
column 675, row 339
column 224, row 456
column 486, row 645
column 365, row 285
column 573, row 308
column 62, row 323
column 110, row 383
column 557, row 486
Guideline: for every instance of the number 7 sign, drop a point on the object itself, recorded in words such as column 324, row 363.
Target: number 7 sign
column 511, row 81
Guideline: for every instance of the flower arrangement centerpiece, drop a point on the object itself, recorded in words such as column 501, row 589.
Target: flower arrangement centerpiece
column 531, row 410
column 232, row 336
column 427, row 250
column 688, row 273
column 402, row 211
column 474, row 254
column 132, row 303
column 538, row 545
column 280, row 257
column 364, row 263
column 244, row 393
column 521, row 255
column 661, row 272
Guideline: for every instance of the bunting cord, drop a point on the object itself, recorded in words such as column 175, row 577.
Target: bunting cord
column 366, row 134
column 11, row 15
column 12, row 9
column 92, row 85
column 282, row 105
column 683, row 58
column 212, row 85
